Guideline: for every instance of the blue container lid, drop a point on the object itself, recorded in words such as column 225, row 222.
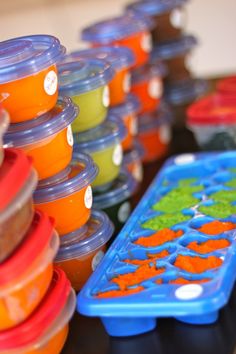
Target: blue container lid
column 133, row 155
column 24, row 56
column 172, row 49
column 149, row 121
column 154, row 7
column 149, row 71
column 104, row 135
column 185, row 91
column 80, row 173
column 116, row 28
column 130, row 106
column 117, row 57
column 83, row 75
column 50, row 123
column 94, row 234
column 121, row 188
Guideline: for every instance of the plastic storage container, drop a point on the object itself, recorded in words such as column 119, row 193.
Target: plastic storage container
column 45, row 331
column 121, row 59
column 4, row 122
column 227, row 86
column 128, row 113
column 28, row 62
column 133, row 161
column 103, row 144
column 147, row 85
column 17, row 182
column 24, row 283
column 47, row 139
column 115, row 201
column 86, row 82
column 213, row 122
column 82, row 250
column 67, row 196
column 132, row 31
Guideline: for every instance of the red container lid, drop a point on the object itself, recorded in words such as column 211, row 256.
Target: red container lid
column 42, row 318
column 14, row 172
column 213, row 110
column 36, row 239
column 227, row 86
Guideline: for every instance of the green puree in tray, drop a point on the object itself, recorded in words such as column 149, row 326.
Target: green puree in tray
column 218, row 210
column 231, row 183
column 165, row 221
column 224, row 196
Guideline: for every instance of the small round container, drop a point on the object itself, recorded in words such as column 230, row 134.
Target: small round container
column 147, row 85
column 86, row 82
column 213, row 122
column 155, row 134
column 45, row 331
column 17, row 182
column 132, row 31
column 48, row 139
column 25, row 63
column 133, row 161
column 121, row 59
column 115, row 201
column 4, row 122
column 67, row 196
column 227, row 86
column 103, row 144
column 169, row 17
column 27, row 273
column 128, row 113
column 82, row 250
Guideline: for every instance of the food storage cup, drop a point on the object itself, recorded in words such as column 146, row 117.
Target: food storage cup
column 227, row 86
column 133, row 161
column 103, row 144
column 132, row 31
column 4, row 122
column 27, row 273
column 121, row 59
column 67, row 196
column 86, row 82
column 47, row 139
column 17, row 181
column 28, row 75
column 45, row 331
column 81, row 250
column 213, row 122
column 127, row 112
column 147, row 85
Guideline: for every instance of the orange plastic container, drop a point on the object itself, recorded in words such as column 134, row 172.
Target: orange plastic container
column 24, row 283
column 45, row 331
column 25, row 63
column 48, row 139
column 67, row 196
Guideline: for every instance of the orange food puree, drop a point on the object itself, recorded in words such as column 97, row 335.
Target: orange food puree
column 208, row 246
column 151, row 258
column 216, row 227
column 159, row 238
column 182, row 281
column 117, row 87
column 197, row 264
column 141, row 274
column 116, row 293
column 154, row 145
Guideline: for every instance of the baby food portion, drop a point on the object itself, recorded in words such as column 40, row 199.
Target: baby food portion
column 195, row 264
column 159, row 238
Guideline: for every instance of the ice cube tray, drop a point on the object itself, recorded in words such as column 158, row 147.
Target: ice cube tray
column 165, row 262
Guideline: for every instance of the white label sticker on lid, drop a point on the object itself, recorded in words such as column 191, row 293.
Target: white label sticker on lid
column 127, row 83
column 124, row 212
column 146, row 42
column 117, row 156
column 189, row 291
column 134, row 126
column 106, row 97
column 178, row 18
column 88, row 197
column 51, row 83
column 155, row 88
column 97, row 259
column 70, row 138
column 138, row 171
column 165, row 134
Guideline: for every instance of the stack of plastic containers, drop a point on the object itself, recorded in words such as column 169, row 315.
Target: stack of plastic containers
column 174, row 47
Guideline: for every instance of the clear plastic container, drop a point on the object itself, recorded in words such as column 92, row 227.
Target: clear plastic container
column 4, row 122
column 17, row 183
column 23, row 284
column 133, row 161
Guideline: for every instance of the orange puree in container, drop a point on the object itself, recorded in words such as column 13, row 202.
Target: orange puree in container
column 117, row 293
column 182, row 281
column 216, row 227
column 149, row 102
column 151, row 258
column 155, row 147
column 159, row 238
column 197, row 264
column 208, row 246
column 119, row 87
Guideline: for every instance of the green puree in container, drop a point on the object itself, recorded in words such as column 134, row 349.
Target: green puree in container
column 224, row 196
column 218, row 210
column 165, row 221
column 231, row 183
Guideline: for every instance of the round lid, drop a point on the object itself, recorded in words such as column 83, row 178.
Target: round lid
column 23, row 56
column 35, row 241
column 50, row 123
column 130, row 106
column 4, row 120
column 83, row 75
column 80, row 173
column 172, row 49
column 116, row 28
column 105, row 134
column 121, row 188
column 133, row 155
column 147, row 72
column 185, row 91
column 214, row 109
column 14, row 172
column 149, row 121
column 155, row 7
column 227, row 86
column 95, row 233
column 117, row 57
column 42, row 318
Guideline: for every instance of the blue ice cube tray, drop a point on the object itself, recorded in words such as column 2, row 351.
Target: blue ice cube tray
column 202, row 176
